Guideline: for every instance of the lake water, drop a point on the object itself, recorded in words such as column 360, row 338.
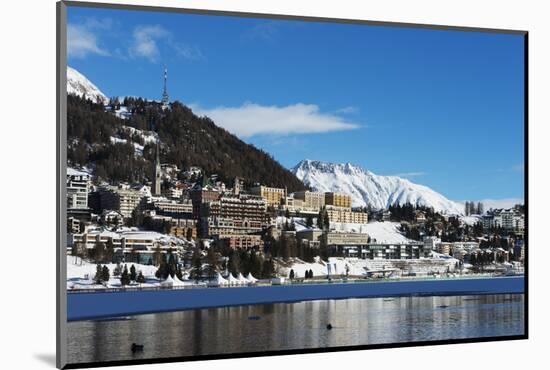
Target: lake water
column 282, row 326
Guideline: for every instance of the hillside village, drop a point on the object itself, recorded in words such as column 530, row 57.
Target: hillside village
column 144, row 208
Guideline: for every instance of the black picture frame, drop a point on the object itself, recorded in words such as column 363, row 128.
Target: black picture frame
column 61, row 167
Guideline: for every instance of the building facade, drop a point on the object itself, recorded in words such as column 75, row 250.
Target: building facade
column 506, row 219
column 78, row 187
column 310, row 199
column 122, row 199
column 272, row 196
column 157, row 174
column 346, row 215
column 338, row 200
column 234, row 214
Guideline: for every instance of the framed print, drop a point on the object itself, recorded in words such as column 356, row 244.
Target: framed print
column 235, row 184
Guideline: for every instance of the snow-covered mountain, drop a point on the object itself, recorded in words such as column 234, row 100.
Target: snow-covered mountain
column 78, row 84
column 366, row 188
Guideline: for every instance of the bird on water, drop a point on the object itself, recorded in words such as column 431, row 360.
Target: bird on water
column 137, row 347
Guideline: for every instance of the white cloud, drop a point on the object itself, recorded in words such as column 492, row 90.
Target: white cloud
column 498, row 203
column 410, row 174
column 81, row 42
column 188, row 52
column 145, row 42
column 348, row 110
column 266, row 31
column 253, row 119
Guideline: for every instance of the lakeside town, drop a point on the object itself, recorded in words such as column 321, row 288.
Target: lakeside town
column 176, row 226
column 188, row 228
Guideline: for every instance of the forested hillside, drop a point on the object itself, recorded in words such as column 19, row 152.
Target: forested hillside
column 120, row 149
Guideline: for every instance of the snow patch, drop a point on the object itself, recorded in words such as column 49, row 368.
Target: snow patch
column 78, row 84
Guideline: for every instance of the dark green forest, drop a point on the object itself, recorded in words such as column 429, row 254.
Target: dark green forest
column 186, row 140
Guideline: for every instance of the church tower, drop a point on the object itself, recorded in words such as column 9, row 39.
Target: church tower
column 165, row 98
column 156, row 174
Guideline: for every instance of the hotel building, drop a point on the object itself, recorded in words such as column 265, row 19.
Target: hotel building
column 272, row 196
column 311, row 200
column 346, row 215
column 338, row 200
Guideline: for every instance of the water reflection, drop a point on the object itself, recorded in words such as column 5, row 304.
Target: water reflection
column 297, row 325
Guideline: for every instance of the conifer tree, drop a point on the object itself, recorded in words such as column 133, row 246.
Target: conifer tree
column 133, row 275
column 98, row 274
column 197, row 265
column 140, row 278
column 105, row 276
column 125, row 277
column 117, row 270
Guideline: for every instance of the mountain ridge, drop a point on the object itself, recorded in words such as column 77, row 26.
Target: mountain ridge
column 80, row 85
column 369, row 189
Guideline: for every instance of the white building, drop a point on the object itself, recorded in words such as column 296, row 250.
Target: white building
column 507, row 219
column 431, row 242
column 78, row 187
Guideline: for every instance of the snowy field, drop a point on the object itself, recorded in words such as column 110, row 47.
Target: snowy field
column 80, row 274
column 359, row 267
column 471, row 220
column 382, row 232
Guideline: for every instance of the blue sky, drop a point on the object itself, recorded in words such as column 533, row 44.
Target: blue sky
column 442, row 108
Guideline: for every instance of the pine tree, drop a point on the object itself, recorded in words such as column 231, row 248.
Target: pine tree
column 117, row 270
column 234, row 263
column 268, row 269
column 133, row 275
column 140, row 278
column 98, row 274
column 125, row 277
column 320, row 219
column 197, row 265
column 172, row 264
column 291, row 275
column 105, row 276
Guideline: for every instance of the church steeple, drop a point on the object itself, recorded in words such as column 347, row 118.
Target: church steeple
column 165, row 98
column 156, row 173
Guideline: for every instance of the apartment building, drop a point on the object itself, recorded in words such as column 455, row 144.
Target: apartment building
column 346, row 215
column 234, row 214
column 272, row 196
column 338, row 200
column 310, row 199
column 120, row 198
column 78, row 187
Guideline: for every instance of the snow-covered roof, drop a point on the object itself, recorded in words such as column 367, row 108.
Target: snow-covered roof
column 74, row 172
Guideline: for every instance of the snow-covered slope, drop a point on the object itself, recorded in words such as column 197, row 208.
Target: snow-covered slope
column 381, row 232
column 366, row 188
column 78, row 84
